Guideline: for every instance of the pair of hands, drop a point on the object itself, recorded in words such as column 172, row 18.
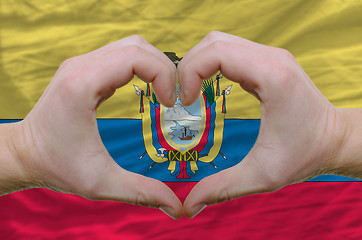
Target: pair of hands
column 58, row 144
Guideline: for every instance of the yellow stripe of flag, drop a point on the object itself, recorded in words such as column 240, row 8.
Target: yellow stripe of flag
column 36, row 36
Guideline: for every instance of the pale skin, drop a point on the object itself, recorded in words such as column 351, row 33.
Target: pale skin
column 302, row 135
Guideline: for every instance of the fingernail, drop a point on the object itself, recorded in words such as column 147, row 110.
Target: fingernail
column 168, row 210
column 181, row 94
column 174, row 95
column 197, row 209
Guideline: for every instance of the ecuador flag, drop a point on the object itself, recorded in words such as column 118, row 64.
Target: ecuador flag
column 181, row 145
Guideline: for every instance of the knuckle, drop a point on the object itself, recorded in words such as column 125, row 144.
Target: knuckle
column 71, row 84
column 142, row 195
column 66, row 64
column 132, row 50
column 281, row 66
column 71, row 77
column 282, row 74
column 224, row 192
column 213, row 35
column 224, row 196
column 219, row 45
column 140, row 199
column 285, row 53
column 137, row 39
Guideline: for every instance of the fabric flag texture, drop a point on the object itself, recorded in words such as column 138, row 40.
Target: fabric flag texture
column 181, row 145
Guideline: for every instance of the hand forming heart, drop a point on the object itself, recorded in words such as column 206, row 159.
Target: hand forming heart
column 58, row 144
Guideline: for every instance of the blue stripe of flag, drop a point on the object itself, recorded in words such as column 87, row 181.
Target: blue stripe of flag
column 124, row 141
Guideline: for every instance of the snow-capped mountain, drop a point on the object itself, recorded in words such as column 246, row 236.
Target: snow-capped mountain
column 178, row 113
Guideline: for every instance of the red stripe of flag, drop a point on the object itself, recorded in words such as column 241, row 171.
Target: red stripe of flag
column 311, row 210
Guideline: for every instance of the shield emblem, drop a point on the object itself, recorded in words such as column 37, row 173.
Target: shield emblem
column 183, row 127
column 182, row 135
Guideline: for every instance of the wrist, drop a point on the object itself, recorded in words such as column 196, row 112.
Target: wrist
column 348, row 161
column 13, row 174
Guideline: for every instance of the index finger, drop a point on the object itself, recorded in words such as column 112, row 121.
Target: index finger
column 250, row 64
column 96, row 75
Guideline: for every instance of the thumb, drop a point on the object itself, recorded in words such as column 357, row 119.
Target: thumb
column 240, row 180
column 118, row 184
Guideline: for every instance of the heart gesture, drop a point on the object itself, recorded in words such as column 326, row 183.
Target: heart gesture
column 302, row 135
